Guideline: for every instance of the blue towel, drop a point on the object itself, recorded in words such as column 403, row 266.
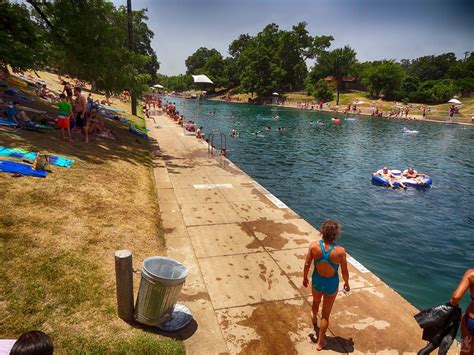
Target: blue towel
column 7, row 123
column 134, row 130
column 111, row 109
column 23, row 154
column 7, row 166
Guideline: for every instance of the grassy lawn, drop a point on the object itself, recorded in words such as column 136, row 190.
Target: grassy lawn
column 58, row 236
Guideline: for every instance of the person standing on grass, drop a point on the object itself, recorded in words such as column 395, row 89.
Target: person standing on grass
column 327, row 257
column 80, row 107
column 65, row 112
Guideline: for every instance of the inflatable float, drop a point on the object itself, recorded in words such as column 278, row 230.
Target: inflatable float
column 409, row 131
column 420, row 182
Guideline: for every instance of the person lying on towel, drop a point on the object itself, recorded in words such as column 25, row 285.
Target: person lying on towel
column 20, row 117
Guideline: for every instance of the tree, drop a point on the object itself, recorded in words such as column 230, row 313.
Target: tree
column 99, row 52
column 23, row 45
column 209, row 62
column 432, row 67
column 285, row 53
column 383, row 77
column 322, row 90
column 338, row 63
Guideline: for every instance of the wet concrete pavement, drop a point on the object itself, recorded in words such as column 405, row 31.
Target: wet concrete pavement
column 245, row 250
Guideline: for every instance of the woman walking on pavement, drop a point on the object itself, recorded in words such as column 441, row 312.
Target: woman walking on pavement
column 327, row 257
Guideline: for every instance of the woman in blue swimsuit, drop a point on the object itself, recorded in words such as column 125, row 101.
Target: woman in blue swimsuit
column 467, row 323
column 327, row 257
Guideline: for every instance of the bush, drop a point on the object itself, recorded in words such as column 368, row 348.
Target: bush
column 322, row 90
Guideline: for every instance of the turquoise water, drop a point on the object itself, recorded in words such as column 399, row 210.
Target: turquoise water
column 418, row 241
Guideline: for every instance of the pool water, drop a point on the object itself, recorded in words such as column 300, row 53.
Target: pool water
column 418, row 241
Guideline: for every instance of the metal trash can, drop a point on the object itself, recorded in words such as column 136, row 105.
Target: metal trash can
column 160, row 284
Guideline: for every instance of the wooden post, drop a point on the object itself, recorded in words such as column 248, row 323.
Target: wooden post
column 124, row 283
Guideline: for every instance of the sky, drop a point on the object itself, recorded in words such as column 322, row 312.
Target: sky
column 383, row 29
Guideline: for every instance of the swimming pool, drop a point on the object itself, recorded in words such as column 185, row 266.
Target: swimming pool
column 418, row 241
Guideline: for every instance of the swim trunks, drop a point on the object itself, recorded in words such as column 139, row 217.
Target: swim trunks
column 63, row 121
column 80, row 121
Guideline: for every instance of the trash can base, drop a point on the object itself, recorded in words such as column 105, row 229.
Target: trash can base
column 179, row 319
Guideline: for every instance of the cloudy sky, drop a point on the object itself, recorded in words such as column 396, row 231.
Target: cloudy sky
column 391, row 29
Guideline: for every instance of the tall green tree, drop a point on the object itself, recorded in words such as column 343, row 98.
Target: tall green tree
column 98, row 52
column 278, row 53
column 209, row 62
column 22, row 41
column 383, row 78
column 337, row 63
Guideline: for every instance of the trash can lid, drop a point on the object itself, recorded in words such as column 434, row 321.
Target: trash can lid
column 166, row 268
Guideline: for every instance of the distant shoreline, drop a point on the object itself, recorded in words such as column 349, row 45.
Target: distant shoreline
column 415, row 118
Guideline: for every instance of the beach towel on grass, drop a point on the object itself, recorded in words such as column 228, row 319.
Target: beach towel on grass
column 7, row 166
column 7, row 123
column 132, row 128
column 24, row 154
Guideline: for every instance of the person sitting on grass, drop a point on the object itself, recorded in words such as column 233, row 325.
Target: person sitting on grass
column 94, row 123
column 389, row 176
column 64, row 116
column 19, row 116
column 45, row 93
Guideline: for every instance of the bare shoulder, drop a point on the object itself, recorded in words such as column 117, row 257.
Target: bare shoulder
column 340, row 250
column 469, row 274
column 313, row 245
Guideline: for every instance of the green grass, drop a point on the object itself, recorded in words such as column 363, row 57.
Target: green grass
column 136, row 344
column 58, row 236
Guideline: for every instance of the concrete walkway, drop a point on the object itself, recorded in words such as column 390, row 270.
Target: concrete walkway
column 245, row 250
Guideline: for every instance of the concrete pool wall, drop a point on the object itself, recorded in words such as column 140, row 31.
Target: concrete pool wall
column 245, row 250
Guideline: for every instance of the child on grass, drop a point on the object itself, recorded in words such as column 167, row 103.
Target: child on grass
column 65, row 112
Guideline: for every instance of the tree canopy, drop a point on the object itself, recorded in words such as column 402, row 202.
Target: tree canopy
column 56, row 34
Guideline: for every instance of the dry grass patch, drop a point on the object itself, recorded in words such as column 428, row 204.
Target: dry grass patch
column 58, row 236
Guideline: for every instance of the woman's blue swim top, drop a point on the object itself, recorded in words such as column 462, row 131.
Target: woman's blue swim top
column 325, row 284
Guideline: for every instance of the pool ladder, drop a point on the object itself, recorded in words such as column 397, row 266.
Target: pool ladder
column 215, row 137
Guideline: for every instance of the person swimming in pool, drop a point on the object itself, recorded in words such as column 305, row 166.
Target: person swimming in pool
column 389, row 176
column 276, row 117
column 326, row 256
column 467, row 322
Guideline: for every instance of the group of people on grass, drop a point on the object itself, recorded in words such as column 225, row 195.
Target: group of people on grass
column 79, row 113
column 327, row 256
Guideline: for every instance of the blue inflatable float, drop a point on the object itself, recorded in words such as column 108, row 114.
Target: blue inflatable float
column 420, row 182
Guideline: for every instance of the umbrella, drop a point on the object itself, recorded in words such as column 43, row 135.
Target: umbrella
column 455, row 101
column 158, row 86
column 202, row 79
column 275, row 93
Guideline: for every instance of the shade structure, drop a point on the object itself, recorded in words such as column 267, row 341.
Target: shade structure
column 158, row 86
column 455, row 101
column 202, row 79
column 276, row 94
